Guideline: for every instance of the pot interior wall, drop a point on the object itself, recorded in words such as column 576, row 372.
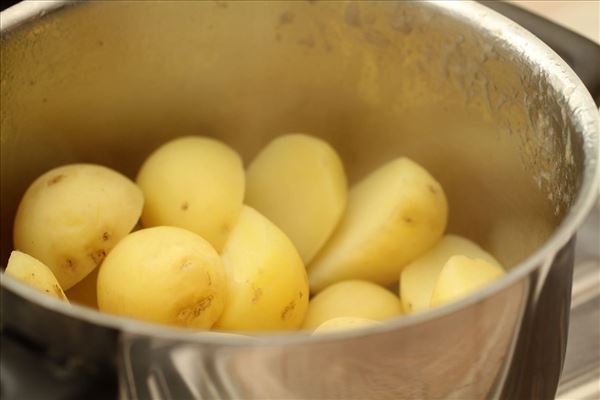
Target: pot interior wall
column 107, row 82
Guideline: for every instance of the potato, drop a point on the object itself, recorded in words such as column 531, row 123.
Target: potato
column 344, row 323
column 72, row 216
column 35, row 274
column 460, row 276
column 353, row 298
column 196, row 183
column 393, row 216
column 268, row 287
column 419, row 277
column 298, row 182
column 84, row 292
column 165, row 275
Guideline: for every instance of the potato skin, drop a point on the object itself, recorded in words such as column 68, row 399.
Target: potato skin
column 72, row 216
column 352, row 298
column 268, row 287
column 196, row 183
column 419, row 277
column 35, row 274
column 343, row 324
column 461, row 276
column 298, row 182
column 393, row 216
column 165, row 275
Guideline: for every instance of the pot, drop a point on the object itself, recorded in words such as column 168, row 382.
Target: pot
column 495, row 115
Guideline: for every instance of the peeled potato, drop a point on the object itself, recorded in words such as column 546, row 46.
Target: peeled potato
column 268, row 287
column 393, row 216
column 35, row 274
column 298, row 182
column 462, row 275
column 344, row 323
column 72, row 216
column 84, row 292
column 196, row 183
column 418, row 278
column 353, row 298
column 165, row 275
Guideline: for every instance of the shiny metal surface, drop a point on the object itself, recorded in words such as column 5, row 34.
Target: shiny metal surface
column 496, row 116
column 581, row 373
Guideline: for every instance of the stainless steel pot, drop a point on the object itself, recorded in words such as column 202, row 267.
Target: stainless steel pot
column 493, row 113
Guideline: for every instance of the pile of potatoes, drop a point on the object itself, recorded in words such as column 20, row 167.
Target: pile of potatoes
column 199, row 242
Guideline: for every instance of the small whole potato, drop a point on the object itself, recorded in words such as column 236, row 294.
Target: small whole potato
column 72, row 216
column 343, row 324
column 392, row 217
column 165, row 275
column 418, row 278
column 461, row 276
column 268, row 287
column 196, row 183
column 298, row 182
column 353, row 298
column 35, row 274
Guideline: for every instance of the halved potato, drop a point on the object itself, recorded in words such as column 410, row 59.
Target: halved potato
column 35, row 274
column 418, row 278
column 353, row 298
column 165, row 275
column 393, row 216
column 462, row 275
column 298, row 182
column 72, row 216
column 268, row 287
column 196, row 183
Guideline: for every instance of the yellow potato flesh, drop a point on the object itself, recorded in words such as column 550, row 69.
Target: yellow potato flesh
column 353, row 298
column 268, row 287
column 344, row 323
column 418, row 278
column 460, row 276
column 165, row 275
column 35, row 274
column 196, row 183
column 298, row 182
column 72, row 216
column 393, row 216
column 84, row 292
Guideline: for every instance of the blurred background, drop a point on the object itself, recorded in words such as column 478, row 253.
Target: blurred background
column 581, row 373
column 582, row 17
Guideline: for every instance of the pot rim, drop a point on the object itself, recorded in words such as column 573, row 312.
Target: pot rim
column 577, row 99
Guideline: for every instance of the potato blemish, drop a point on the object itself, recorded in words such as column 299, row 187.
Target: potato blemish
column 55, row 179
column 185, row 265
column 257, row 295
column 70, row 264
column 188, row 314
column 98, row 256
column 287, row 311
